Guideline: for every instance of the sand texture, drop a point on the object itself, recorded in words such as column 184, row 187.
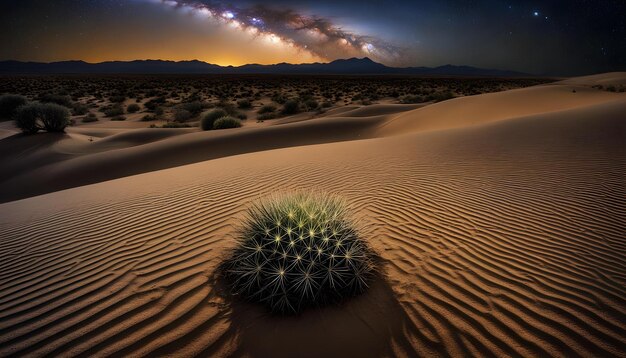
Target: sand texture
column 500, row 220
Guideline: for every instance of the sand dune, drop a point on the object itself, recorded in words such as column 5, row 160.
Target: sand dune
column 473, row 110
column 381, row 109
column 39, row 171
column 604, row 79
column 73, row 161
column 499, row 237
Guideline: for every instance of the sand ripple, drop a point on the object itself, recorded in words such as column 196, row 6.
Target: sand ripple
column 504, row 240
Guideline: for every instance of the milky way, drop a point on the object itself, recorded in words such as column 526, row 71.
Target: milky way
column 314, row 34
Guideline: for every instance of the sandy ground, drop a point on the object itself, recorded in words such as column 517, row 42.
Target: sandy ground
column 500, row 219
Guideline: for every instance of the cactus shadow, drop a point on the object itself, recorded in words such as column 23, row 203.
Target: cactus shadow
column 372, row 324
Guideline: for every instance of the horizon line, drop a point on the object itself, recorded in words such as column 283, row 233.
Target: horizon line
column 254, row 63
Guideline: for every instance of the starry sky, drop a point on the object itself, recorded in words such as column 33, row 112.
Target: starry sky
column 570, row 37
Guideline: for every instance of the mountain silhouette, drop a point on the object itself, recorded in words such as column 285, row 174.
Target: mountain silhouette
column 343, row 66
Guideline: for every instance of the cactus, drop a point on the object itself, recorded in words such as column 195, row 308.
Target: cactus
column 297, row 251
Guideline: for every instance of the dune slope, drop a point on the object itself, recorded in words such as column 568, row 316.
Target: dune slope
column 68, row 163
column 473, row 110
column 500, row 239
column 43, row 164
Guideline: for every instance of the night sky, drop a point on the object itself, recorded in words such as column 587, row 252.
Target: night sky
column 568, row 37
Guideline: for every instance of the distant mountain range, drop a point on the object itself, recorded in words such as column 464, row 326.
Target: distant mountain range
column 348, row 66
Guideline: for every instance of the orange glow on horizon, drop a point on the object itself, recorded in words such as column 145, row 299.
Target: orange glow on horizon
column 181, row 38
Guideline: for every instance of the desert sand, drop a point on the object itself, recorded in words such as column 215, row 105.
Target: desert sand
column 500, row 220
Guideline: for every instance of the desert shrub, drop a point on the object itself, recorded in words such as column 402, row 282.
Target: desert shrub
column 117, row 99
column 33, row 117
column 133, row 108
column 9, row 103
column 241, row 116
column 279, row 98
column 292, row 106
column 209, row 119
column 79, row 109
column 266, row 116
column 227, row 106
column 28, row 117
column 150, row 105
column 118, row 118
column 90, row 117
column 194, row 108
column 175, row 125
column 311, row 104
column 54, row 117
column 268, row 108
column 148, row 118
column 410, row 99
column 297, row 251
column 327, row 104
column 154, row 103
column 244, row 104
column 357, row 97
column 442, row 96
column 113, row 111
column 181, row 115
column 227, row 122
column 61, row 100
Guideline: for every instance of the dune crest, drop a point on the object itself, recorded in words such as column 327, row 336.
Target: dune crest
column 485, row 108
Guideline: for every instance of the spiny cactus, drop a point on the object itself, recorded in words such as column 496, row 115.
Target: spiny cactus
column 297, row 251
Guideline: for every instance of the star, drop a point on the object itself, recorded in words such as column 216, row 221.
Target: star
column 536, row 13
